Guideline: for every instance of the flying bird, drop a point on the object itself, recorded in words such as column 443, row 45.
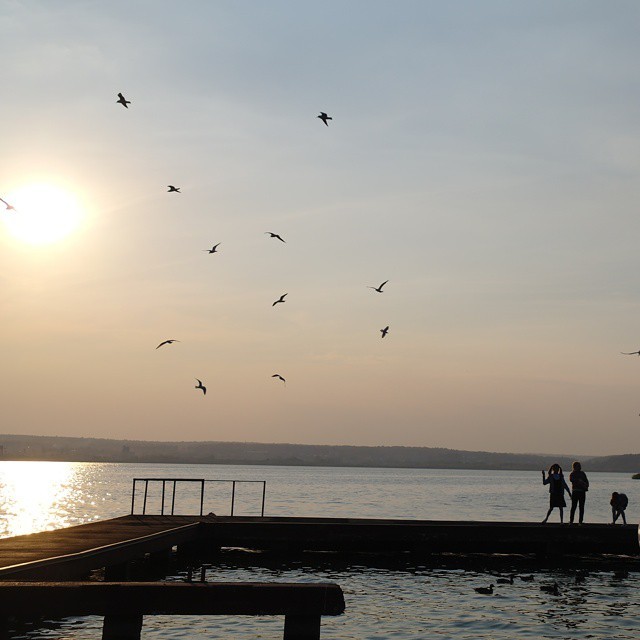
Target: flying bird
column 378, row 289
column 281, row 299
column 213, row 249
column 173, row 189
column 274, row 235
column 324, row 117
column 201, row 386
column 277, row 375
column 384, row 331
column 121, row 100
column 10, row 207
column 633, row 353
column 167, row 342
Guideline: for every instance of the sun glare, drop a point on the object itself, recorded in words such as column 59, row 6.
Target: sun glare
column 43, row 214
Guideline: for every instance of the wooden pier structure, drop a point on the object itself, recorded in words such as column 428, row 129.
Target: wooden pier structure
column 49, row 573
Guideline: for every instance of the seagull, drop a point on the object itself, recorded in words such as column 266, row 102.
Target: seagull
column 10, row 207
column 277, row 375
column 550, row 588
column 281, row 299
column 173, row 189
column 485, row 590
column 384, row 331
column 274, row 235
column 213, row 249
column 324, row 117
column 378, row 289
column 167, row 342
column 201, row 386
column 121, row 100
column 633, row 353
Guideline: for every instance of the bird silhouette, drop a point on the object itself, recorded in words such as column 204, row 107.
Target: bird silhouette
column 281, row 299
column 384, row 331
column 121, row 100
column 633, row 353
column 213, row 249
column 379, row 288
column 201, row 386
column 277, row 375
column 508, row 580
column 550, row 588
column 485, row 590
column 167, row 342
column 173, row 189
column 324, row 117
column 10, row 207
column 274, row 235
column 527, row 578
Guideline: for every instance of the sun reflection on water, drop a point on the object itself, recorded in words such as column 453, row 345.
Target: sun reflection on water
column 32, row 494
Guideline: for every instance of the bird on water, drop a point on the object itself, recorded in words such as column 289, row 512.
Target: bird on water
column 213, row 249
column 173, row 189
column 277, row 375
column 384, row 331
column 10, row 207
column 551, row 588
column 324, row 117
column 527, row 578
column 275, row 235
column 379, row 287
column 281, row 299
column 167, row 342
column 121, row 100
column 485, row 590
column 201, row 386
column 508, row 580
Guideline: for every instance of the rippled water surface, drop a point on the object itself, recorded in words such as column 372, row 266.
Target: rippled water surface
column 405, row 602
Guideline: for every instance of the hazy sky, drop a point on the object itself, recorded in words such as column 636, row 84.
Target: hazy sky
column 483, row 157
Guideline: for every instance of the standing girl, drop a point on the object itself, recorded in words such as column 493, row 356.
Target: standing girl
column 557, row 486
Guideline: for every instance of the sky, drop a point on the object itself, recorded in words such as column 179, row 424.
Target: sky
column 483, row 158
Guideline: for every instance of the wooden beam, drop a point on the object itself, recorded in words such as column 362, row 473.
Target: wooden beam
column 62, row 599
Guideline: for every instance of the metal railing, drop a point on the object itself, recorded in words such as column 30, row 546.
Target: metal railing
column 172, row 482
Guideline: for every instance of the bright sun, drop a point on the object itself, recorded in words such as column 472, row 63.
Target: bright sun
column 43, row 214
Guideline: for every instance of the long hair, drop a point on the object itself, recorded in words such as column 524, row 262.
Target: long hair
column 555, row 465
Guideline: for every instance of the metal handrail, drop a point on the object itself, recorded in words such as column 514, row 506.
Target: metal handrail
column 202, row 482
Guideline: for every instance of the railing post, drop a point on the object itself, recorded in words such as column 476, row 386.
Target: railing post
column 133, row 496
column 162, row 506
column 202, row 497
column 173, row 497
column 233, row 495
column 144, row 504
column 264, row 491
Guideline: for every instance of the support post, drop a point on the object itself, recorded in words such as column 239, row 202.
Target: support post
column 301, row 628
column 122, row 627
column 264, row 491
column 133, row 496
column 233, row 495
column 173, row 497
column 162, row 507
column 202, row 497
column 146, row 490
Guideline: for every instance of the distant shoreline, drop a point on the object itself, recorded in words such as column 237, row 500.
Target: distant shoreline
column 72, row 449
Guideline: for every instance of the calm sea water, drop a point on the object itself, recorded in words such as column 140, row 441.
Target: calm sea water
column 413, row 601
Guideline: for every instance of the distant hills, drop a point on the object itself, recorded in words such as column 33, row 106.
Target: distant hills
column 17, row 447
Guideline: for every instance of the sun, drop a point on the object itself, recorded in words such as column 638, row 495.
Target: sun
column 43, row 214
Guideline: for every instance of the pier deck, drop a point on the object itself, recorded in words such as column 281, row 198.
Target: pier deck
column 72, row 552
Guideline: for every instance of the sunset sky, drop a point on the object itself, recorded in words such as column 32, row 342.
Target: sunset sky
column 484, row 157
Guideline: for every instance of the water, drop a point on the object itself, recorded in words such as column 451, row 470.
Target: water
column 411, row 601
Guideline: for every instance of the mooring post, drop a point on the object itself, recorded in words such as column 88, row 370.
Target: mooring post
column 301, row 628
column 117, row 627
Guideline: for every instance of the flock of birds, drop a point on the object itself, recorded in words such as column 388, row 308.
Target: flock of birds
column 214, row 249
column 553, row 589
